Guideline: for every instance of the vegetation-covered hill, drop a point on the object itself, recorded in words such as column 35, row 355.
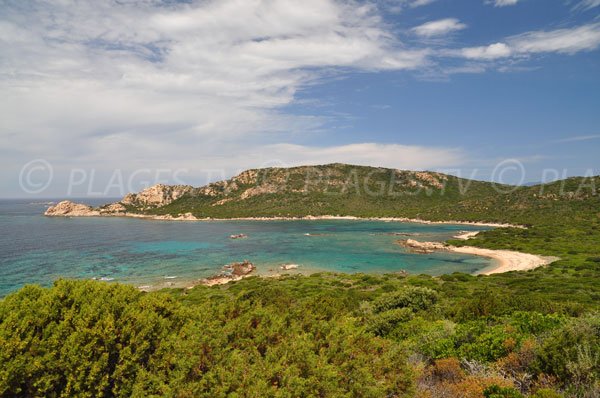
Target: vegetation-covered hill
column 348, row 190
column 534, row 333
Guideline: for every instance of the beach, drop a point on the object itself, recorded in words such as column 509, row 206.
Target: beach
column 507, row 260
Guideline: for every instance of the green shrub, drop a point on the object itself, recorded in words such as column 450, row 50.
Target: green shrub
column 572, row 352
column 495, row 391
column 415, row 298
column 381, row 324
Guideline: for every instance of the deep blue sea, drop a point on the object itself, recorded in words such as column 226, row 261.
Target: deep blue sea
column 38, row 249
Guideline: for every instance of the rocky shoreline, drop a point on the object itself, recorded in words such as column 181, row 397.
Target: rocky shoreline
column 67, row 208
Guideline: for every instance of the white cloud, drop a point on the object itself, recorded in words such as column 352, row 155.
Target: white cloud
column 396, row 6
column 369, row 154
column 493, row 51
column 90, row 81
column 439, row 27
column 578, row 138
column 504, row 3
column 587, row 4
column 567, row 41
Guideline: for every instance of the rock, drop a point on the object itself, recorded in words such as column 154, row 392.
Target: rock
column 248, row 177
column 242, row 269
column 422, row 247
column 259, row 190
column 157, row 195
column 113, row 208
column 68, row 208
column 234, row 272
column 287, row 267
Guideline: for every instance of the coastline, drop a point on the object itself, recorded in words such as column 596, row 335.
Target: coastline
column 190, row 217
column 506, row 260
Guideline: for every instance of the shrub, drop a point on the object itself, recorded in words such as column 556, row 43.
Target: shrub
column 447, row 369
column 496, row 391
column 415, row 298
column 572, row 352
column 383, row 323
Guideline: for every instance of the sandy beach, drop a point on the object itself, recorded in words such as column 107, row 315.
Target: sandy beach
column 507, row 260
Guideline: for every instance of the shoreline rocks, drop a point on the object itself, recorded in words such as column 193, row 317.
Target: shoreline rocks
column 422, row 247
column 233, row 272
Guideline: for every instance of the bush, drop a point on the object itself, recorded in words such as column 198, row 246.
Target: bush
column 501, row 392
column 92, row 339
column 383, row 323
column 572, row 352
column 415, row 298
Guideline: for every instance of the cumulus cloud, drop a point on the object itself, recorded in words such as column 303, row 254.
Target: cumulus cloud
column 439, row 28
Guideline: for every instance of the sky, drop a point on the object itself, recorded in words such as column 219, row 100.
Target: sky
column 100, row 98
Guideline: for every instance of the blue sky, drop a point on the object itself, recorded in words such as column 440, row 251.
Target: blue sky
column 101, row 98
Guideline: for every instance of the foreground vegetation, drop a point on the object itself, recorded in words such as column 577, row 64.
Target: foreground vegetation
column 318, row 336
column 534, row 334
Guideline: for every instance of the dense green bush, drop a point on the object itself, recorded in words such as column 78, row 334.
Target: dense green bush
column 94, row 339
column 572, row 352
column 413, row 298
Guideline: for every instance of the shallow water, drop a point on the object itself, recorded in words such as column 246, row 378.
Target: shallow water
column 38, row 249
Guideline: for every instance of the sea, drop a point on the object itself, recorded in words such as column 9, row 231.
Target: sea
column 35, row 249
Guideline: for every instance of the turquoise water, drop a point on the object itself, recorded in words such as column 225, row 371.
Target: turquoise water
column 38, row 249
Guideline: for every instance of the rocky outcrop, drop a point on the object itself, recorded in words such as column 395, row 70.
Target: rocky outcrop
column 157, row 195
column 241, row 269
column 435, row 180
column 113, row 208
column 248, row 177
column 422, row 247
column 67, row 208
column 259, row 190
column 233, row 272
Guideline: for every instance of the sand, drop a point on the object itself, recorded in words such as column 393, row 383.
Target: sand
column 506, row 260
